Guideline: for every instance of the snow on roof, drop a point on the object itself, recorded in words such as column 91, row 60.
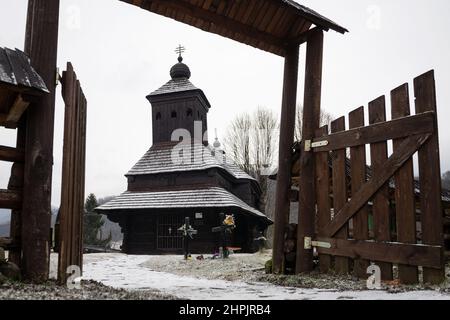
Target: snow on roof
column 16, row 70
column 175, row 85
column 212, row 197
column 158, row 159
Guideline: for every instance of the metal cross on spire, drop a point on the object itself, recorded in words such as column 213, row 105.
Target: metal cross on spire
column 180, row 49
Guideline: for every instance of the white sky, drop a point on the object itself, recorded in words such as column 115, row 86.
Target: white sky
column 121, row 53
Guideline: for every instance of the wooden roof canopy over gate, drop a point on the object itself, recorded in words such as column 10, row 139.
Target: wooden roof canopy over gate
column 269, row 25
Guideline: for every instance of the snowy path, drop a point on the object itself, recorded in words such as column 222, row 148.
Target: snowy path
column 122, row 271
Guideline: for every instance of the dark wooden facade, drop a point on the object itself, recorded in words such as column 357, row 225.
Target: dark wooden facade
column 162, row 191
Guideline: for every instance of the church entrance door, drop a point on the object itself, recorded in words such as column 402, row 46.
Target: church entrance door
column 168, row 237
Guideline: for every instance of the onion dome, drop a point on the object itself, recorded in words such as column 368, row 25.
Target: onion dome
column 180, row 70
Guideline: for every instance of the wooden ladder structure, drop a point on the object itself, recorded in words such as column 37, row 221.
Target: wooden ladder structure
column 11, row 198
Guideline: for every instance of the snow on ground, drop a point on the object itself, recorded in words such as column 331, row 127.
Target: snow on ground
column 131, row 273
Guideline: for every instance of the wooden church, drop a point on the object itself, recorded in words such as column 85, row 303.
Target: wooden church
column 184, row 177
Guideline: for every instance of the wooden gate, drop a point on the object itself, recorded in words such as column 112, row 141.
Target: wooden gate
column 70, row 242
column 380, row 213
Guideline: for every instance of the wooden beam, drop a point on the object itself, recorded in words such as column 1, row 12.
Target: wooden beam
column 340, row 194
column 16, row 112
column 287, row 126
column 390, row 252
column 395, row 162
column 322, row 186
column 430, row 175
column 405, row 205
column 41, row 46
column 219, row 20
column 11, row 154
column 358, row 178
column 380, row 208
column 395, row 129
column 311, row 122
column 305, row 36
column 10, row 199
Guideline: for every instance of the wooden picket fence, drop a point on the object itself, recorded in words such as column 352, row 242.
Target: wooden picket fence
column 70, row 235
column 367, row 214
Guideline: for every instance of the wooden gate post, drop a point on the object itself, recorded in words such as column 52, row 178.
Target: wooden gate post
column 430, row 176
column 287, row 126
column 311, row 122
column 41, row 46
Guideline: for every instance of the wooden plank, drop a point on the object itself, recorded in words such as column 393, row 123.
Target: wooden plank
column 322, row 169
column 390, row 252
column 430, row 175
column 380, row 208
column 11, row 154
column 358, row 178
column 310, row 123
column 41, row 46
column 10, row 199
column 69, row 82
column 232, row 25
column 83, row 178
column 395, row 162
column 379, row 132
column 282, row 204
column 342, row 265
column 16, row 112
column 75, row 152
column 404, row 189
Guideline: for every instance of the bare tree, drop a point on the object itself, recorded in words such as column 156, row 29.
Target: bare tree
column 237, row 141
column 265, row 125
column 325, row 119
column 252, row 142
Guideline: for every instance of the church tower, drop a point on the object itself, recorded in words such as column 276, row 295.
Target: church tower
column 178, row 105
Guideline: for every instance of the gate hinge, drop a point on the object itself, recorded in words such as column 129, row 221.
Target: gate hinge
column 309, row 244
column 58, row 77
column 310, row 145
column 307, row 145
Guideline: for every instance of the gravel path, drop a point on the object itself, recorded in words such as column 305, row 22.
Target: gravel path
column 138, row 273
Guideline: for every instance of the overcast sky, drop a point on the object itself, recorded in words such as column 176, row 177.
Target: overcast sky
column 121, row 53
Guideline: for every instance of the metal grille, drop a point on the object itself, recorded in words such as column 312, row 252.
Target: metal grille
column 168, row 237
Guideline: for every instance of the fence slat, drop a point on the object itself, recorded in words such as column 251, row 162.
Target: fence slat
column 340, row 192
column 72, row 194
column 358, row 178
column 378, row 155
column 430, row 175
column 404, row 189
column 323, row 197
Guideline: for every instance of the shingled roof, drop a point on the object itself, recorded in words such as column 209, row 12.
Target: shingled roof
column 175, row 85
column 158, row 159
column 270, row 25
column 16, row 70
column 212, row 197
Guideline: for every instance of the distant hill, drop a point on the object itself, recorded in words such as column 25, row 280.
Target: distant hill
column 109, row 227
column 4, row 230
column 4, row 216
